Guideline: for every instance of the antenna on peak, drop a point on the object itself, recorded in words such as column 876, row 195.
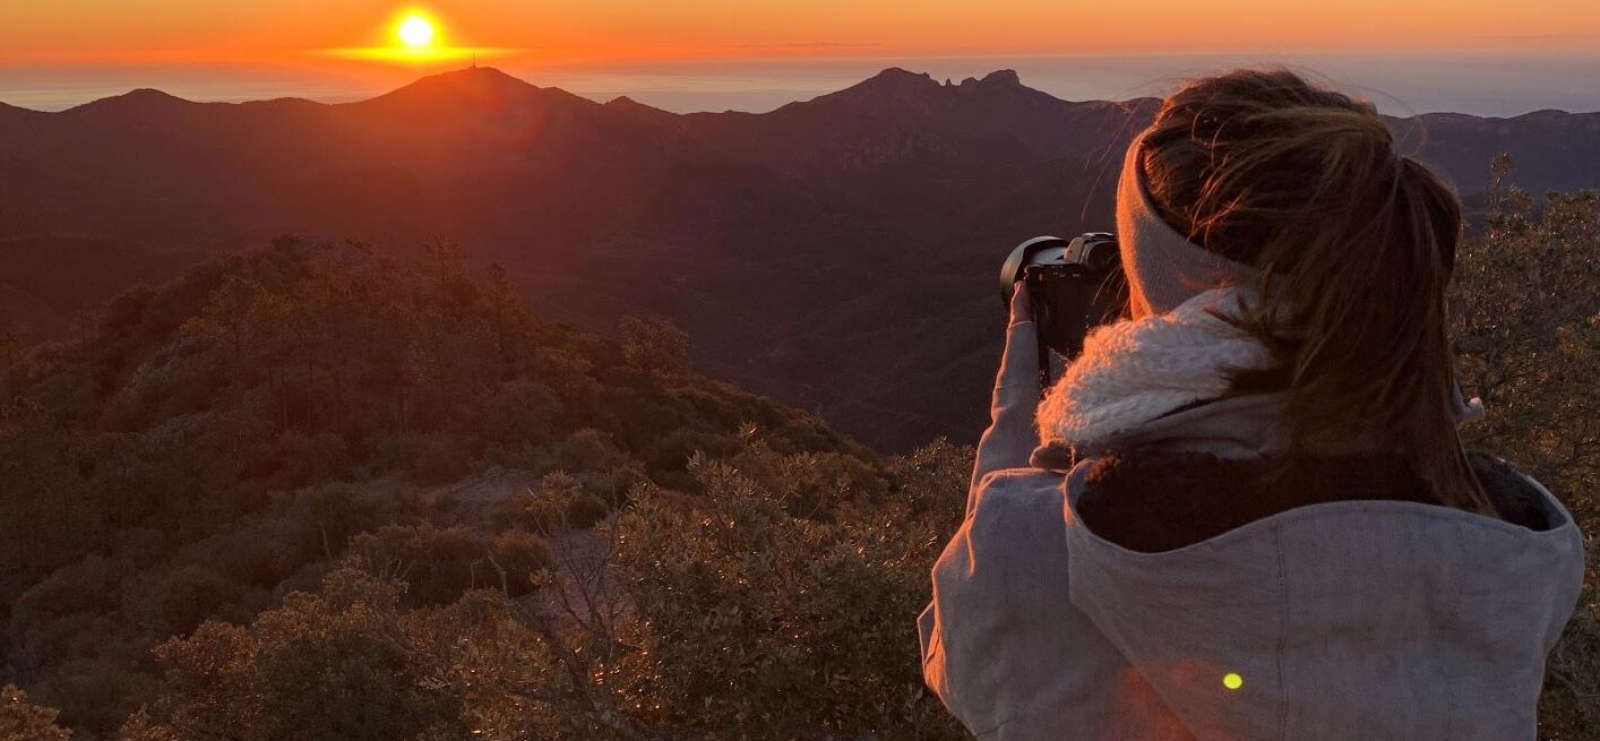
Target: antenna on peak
column 474, row 60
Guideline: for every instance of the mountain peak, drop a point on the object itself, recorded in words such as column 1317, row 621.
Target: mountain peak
column 899, row 80
column 1006, row 77
column 900, row 73
column 478, row 73
column 483, row 78
column 462, row 89
column 629, row 107
column 139, row 100
column 625, row 103
column 898, row 91
column 890, row 90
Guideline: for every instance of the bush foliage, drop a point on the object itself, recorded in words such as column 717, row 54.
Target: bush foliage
column 212, row 448
column 1527, row 310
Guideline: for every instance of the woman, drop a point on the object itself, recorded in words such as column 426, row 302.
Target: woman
column 1244, row 512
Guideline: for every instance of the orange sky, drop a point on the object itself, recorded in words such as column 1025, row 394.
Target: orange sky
column 99, row 31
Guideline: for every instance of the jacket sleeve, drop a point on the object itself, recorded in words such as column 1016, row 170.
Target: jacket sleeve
column 1011, row 436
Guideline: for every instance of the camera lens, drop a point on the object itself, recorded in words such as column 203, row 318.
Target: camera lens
column 1102, row 256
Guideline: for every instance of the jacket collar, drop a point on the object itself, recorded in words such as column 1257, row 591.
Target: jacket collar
column 1240, row 427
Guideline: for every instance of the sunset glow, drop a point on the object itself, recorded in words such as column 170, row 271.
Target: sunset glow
column 699, row 55
column 82, row 31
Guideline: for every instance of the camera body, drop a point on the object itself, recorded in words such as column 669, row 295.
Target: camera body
column 1073, row 285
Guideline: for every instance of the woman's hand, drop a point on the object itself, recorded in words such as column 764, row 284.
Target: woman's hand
column 1011, row 437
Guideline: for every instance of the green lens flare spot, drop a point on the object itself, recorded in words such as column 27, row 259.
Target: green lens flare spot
column 1232, row 680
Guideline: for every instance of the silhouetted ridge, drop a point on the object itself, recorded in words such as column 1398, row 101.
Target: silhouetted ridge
column 897, row 77
column 891, row 89
column 895, row 91
column 627, row 104
column 472, row 77
column 142, row 100
column 469, row 88
column 10, row 113
column 633, row 109
column 1007, row 77
column 1560, row 120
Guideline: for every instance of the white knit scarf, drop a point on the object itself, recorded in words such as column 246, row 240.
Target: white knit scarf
column 1134, row 371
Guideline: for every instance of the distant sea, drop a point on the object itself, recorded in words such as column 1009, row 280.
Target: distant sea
column 1481, row 83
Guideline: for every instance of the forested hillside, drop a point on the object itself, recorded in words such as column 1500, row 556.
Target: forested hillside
column 260, row 443
column 312, row 492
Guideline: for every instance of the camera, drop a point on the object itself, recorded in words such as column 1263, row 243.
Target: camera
column 1073, row 285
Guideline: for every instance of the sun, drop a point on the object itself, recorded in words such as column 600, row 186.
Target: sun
column 415, row 36
column 415, row 31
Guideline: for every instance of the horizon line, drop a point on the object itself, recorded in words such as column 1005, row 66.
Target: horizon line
column 474, row 65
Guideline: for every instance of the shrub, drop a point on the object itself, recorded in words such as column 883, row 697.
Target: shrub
column 437, row 458
column 62, row 617
column 765, row 625
column 321, row 520
column 178, row 601
column 338, row 666
column 585, row 510
column 590, row 450
column 94, row 695
column 672, row 451
column 438, row 565
column 1568, row 707
column 23, row 721
column 561, row 502
column 522, row 556
column 654, row 345
column 303, row 459
column 520, row 411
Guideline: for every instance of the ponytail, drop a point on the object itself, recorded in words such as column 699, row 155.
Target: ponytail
column 1356, row 244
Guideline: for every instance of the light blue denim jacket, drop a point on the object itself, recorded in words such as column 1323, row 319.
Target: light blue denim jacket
column 1346, row 621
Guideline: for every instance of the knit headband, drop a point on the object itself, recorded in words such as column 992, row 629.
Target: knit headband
column 1164, row 268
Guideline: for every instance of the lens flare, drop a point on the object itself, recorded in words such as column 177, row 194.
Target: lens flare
column 1232, row 680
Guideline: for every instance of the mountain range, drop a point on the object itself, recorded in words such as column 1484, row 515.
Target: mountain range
column 838, row 253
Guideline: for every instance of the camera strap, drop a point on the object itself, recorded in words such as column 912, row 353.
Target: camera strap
column 1044, row 360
